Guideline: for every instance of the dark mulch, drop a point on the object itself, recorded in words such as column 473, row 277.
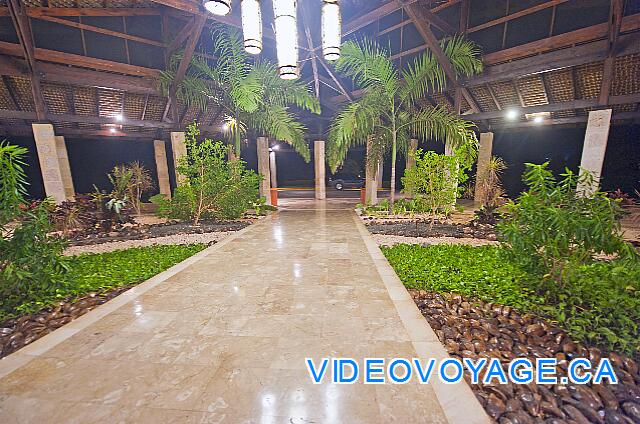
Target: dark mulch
column 139, row 232
column 474, row 329
column 16, row 333
column 412, row 228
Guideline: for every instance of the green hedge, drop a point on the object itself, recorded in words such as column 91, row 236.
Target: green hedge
column 104, row 271
column 599, row 304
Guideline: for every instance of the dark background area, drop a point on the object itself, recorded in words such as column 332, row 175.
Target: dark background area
column 92, row 159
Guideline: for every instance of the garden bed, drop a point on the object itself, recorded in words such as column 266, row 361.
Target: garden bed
column 418, row 228
column 93, row 279
column 470, row 328
column 147, row 231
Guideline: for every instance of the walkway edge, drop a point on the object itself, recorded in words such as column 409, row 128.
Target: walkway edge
column 17, row 359
column 458, row 402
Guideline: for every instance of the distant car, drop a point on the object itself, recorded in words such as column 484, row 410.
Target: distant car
column 341, row 182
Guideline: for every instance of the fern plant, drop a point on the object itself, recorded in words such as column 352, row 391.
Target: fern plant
column 250, row 93
column 390, row 112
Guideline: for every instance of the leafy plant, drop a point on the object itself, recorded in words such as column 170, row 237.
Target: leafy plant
column 103, row 271
column 139, row 184
column 551, row 229
column 250, row 92
column 214, row 188
column 434, row 182
column 598, row 304
column 30, row 259
column 390, row 112
column 489, row 185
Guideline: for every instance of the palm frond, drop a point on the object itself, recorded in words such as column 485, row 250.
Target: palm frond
column 277, row 122
column 355, row 122
column 464, row 56
column 368, row 65
column 424, row 75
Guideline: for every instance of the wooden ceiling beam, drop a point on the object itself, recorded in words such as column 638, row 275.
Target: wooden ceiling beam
column 527, row 125
column 615, row 23
column 184, row 63
column 12, row 49
column 556, row 107
column 36, row 12
column 515, row 15
column 23, row 30
column 99, row 30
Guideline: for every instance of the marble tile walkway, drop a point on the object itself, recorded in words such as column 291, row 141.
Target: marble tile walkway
column 222, row 338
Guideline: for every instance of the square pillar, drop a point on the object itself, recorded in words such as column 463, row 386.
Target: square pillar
column 49, row 164
column 484, row 159
column 65, row 169
column 162, row 167
column 263, row 168
column 595, row 147
column 411, row 160
column 272, row 169
column 320, row 170
column 379, row 173
column 371, row 172
column 179, row 148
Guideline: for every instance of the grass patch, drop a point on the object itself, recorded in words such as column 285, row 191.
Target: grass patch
column 598, row 304
column 104, row 271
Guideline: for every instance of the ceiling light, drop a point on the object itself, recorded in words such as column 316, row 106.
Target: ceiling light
column 218, row 7
column 512, row 114
column 251, row 25
column 331, row 30
column 276, row 147
column 119, row 118
column 538, row 119
column 284, row 12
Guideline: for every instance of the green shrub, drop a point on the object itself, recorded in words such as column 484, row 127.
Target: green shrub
column 214, row 188
column 104, row 271
column 31, row 264
column 550, row 229
column 599, row 303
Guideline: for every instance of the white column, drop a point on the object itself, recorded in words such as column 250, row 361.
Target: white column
column 272, row 169
column 379, row 173
column 320, row 170
column 49, row 164
column 65, row 169
column 595, row 147
column 162, row 167
column 179, row 148
column 263, row 168
column 449, row 151
column 371, row 184
column 484, row 159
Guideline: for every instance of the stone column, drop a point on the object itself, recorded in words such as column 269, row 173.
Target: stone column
column 411, row 160
column 162, row 167
column 272, row 169
column 379, row 173
column 595, row 147
column 449, row 151
column 371, row 184
column 49, row 164
column 263, row 168
column 179, row 148
column 484, row 159
column 65, row 169
column 320, row 169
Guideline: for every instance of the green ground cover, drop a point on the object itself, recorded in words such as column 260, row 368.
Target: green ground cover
column 101, row 272
column 599, row 303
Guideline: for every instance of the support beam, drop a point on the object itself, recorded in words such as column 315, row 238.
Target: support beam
column 319, row 162
column 263, row 168
column 615, row 22
column 162, row 167
column 65, row 168
column 595, row 147
column 49, row 165
column 23, row 30
column 184, row 64
column 179, row 149
column 484, row 159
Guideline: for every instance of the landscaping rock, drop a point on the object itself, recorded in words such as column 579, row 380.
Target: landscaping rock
column 474, row 329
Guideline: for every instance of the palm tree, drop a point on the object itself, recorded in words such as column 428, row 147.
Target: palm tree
column 250, row 92
column 389, row 112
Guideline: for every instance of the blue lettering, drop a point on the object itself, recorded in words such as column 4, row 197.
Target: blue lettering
column 339, row 371
column 443, row 370
column 315, row 376
column 373, row 366
column 605, row 370
column 546, row 371
column 495, row 371
column 392, row 367
column 577, row 375
column 475, row 368
column 424, row 375
column 524, row 375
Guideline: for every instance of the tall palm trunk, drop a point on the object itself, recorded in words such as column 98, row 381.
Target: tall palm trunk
column 394, row 148
column 237, row 142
